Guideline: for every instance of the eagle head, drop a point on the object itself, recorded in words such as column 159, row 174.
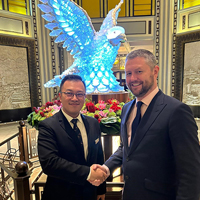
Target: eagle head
column 115, row 35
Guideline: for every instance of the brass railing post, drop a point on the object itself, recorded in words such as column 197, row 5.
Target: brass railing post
column 20, row 177
column 23, row 142
column 21, row 182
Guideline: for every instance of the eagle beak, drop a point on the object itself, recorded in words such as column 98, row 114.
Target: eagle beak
column 123, row 38
column 120, row 38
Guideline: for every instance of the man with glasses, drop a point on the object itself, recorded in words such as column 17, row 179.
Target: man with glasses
column 68, row 145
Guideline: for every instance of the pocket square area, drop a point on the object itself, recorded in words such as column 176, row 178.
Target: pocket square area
column 97, row 140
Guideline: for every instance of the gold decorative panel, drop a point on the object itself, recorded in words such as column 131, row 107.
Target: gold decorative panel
column 130, row 8
column 19, row 6
column 113, row 3
column 92, row 7
column 142, row 8
column 188, row 3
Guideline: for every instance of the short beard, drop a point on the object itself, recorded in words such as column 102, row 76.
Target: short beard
column 144, row 89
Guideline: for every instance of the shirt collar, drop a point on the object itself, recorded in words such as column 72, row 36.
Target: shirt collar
column 69, row 118
column 147, row 100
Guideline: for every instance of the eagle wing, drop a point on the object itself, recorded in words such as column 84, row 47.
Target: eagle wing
column 111, row 18
column 70, row 23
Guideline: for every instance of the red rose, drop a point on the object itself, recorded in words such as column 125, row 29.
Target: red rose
column 115, row 107
column 42, row 114
column 57, row 102
column 109, row 101
column 96, row 116
column 48, row 104
column 112, row 101
column 90, row 107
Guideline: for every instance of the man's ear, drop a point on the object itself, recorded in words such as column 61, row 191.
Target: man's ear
column 156, row 70
column 59, row 94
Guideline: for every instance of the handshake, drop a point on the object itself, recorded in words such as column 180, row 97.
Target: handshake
column 98, row 174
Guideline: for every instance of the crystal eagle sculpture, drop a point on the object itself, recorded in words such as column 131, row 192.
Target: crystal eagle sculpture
column 94, row 52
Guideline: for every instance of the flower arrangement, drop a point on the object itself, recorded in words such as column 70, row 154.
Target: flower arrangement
column 107, row 113
column 43, row 112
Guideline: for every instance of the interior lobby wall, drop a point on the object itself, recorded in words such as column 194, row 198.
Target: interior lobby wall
column 163, row 36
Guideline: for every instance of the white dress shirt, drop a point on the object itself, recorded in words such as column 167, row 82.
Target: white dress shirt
column 82, row 129
column 146, row 101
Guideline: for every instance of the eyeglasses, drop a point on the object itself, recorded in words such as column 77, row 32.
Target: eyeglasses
column 71, row 95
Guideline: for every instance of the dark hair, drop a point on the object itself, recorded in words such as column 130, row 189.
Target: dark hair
column 147, row 55
column 71, row 77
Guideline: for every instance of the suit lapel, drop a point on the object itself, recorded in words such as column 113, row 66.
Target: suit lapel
column 152, row 112
column 68, row 129
column 126, row 114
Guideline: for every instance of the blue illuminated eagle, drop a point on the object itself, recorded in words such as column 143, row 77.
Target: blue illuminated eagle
column 94, row 52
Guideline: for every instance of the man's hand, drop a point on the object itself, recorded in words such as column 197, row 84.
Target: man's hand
column 97, row 173
column 94, row 180
column 101, row 197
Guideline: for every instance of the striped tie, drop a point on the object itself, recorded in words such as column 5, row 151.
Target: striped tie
column 77, row 131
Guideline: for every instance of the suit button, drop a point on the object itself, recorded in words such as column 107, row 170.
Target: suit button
column 127, row 159
column 126, row 177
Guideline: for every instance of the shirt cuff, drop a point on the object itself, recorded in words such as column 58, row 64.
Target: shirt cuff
column 88, row 178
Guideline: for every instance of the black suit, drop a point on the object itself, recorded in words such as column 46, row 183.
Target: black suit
column 163, row 162
column 62, row 158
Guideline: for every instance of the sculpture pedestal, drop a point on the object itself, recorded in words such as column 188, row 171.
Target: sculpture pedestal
column 120, row 96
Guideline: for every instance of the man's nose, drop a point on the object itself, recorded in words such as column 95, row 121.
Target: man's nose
column 133, row 77
column 74, row 97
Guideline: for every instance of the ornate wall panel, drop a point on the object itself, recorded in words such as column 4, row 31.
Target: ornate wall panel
column 53, row 63
column 186, row 74
column 163, row 43
column 37, row 80
column 19, row 107
column 157, row 30
column 174, row 45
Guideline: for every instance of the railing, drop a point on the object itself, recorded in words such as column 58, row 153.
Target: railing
column 8, row 141
column 11, row 182
column 7, row 161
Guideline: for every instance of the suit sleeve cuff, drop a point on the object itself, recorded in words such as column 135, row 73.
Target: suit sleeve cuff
column 107, row 170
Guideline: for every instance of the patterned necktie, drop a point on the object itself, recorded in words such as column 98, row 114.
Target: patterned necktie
column 77, row 131
column 137, row 119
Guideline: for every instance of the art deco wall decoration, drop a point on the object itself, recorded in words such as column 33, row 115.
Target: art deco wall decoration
column 187, row 71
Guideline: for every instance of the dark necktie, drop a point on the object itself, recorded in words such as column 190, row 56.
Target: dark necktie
column 137, row 119
column 77, row 131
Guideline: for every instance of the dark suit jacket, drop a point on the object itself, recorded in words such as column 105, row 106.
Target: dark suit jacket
column 62, row 158
column 164, row 158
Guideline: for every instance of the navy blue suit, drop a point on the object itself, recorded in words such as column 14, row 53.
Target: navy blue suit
column 163, row 162
column 62, row 158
